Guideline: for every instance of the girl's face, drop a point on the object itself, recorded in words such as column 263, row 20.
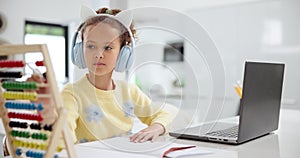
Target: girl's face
column 101, row 47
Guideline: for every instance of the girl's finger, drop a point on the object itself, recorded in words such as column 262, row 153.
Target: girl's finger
column 155, row 136
column 147, row 137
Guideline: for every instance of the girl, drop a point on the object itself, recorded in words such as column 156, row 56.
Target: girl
column 98, row 106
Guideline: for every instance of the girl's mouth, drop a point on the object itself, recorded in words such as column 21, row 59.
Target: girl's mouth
column 99, row 64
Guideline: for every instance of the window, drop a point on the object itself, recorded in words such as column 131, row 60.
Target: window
column 174, row 52
column 56, row 38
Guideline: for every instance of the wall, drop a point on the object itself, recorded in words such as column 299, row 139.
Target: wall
column 56, row 11
column 256, row 30
column 179, row 5
column 263, row 31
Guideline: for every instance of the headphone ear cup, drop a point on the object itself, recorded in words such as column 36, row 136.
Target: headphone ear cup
column 125, row 59
column 77, row 56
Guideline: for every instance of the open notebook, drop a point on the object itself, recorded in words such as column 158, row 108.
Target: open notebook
column 122, row 147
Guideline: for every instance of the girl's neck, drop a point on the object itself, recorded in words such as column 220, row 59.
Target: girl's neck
column 101, row 82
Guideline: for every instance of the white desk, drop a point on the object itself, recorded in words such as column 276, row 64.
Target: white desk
column 283, row 143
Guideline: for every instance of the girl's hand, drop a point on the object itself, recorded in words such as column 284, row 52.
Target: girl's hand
column 48, row 112
column 149, row 133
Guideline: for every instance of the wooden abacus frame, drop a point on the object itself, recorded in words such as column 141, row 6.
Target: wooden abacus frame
column 59, row 125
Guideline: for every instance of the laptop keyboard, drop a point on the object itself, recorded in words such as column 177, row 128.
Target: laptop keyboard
column 231, row 132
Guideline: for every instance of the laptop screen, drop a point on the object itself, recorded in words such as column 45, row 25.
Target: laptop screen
column 260, row 105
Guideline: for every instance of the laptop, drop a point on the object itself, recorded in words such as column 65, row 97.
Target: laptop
column 259, row 108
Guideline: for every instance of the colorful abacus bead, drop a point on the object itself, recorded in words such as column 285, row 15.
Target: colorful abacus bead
column 39, row 107
column 36, row 117
column 48, row 127
column 25, row 106
column 43, row 146
column 34, row 154
column 11, row 63
column 39, row 63
column 36, row 126
column 18, row 124
column 22, row 134
column 16, row 105
column 10, row 74
column 19, row 152
column 16, row 63
column 25, row 144
column 32, row 145
column 40, row 136
column 20, row 85
column 20, row 95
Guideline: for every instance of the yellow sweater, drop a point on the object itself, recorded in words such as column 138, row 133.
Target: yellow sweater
column 95, row 114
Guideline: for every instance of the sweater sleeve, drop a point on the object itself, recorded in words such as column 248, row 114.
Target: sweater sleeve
column 71, row 105
column 149, row 112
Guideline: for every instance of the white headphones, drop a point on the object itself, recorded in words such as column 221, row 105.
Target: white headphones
column 125, row 58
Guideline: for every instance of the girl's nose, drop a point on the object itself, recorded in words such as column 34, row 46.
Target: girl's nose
column 99, row 54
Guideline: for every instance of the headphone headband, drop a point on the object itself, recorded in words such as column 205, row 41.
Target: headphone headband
column 132, row 41
column 125, row 58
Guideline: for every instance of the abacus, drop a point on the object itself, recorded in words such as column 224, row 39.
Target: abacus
column 20, row 115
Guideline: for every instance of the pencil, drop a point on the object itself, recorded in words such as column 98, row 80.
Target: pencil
column 238, row 89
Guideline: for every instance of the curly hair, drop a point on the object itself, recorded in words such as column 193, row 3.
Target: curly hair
column 124, row 37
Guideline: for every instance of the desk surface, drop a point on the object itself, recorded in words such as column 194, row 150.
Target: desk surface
column 283, row 143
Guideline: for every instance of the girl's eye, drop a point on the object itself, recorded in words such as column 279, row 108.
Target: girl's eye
column 90, row 46
column 107, row 48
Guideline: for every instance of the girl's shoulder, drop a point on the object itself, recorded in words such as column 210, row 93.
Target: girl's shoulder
column 128, row 88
